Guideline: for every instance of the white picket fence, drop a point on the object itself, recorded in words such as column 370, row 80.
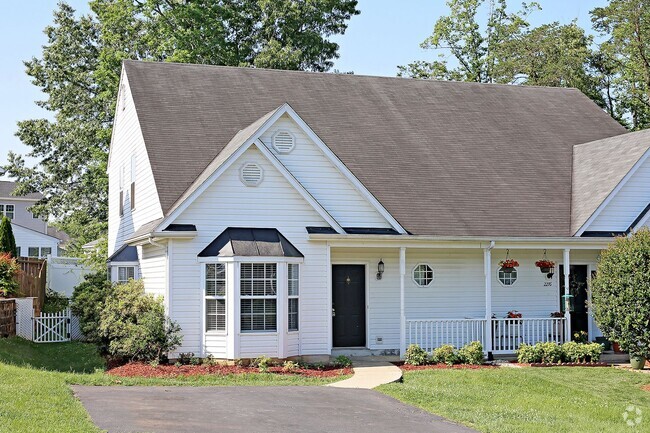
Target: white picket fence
column 48, row 327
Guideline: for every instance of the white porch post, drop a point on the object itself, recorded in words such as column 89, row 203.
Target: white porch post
column 567, row 301
column 487, row 261
column 402, row 309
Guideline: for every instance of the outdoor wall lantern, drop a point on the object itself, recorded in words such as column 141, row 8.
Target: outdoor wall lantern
column 380, row 268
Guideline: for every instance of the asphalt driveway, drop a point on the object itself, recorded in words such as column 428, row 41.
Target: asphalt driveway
column 253, row 409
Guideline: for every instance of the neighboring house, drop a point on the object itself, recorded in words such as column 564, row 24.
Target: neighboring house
column 34, row 238
column 288, row 213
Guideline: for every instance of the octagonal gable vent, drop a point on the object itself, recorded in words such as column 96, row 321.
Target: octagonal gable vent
column 284, row 141
column 251, row 174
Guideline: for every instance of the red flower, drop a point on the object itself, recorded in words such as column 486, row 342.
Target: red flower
column 545, row 263
column 509, row 263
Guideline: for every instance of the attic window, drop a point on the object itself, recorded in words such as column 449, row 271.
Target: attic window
column 284, row 141
column 251, row 174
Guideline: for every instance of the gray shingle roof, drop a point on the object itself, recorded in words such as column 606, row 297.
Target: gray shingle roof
column 444, row 158
column 598, row 167
column 8, row 187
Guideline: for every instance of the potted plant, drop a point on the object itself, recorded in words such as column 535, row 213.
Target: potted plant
column 637, row 362
column 508, row 265
column 514, row 314
column 546, row 266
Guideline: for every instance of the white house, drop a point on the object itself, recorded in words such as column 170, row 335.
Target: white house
column 295, row 214
column 34, row 237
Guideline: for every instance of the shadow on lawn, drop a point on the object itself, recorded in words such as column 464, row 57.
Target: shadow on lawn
column 71, row 357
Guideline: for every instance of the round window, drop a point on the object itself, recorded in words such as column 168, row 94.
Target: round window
column 507, row 278
column 422, row 275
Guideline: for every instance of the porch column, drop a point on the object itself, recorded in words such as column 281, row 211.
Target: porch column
column 566, row 261
column 487, row 262
column 402, row 309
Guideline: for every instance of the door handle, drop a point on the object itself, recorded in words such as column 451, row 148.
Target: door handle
column 333, row 312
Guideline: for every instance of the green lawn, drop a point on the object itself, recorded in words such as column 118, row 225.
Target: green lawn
column 504, row 400
column 35, row 379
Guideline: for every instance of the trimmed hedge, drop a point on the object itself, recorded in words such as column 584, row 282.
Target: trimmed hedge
column 471, row 353
column 553, row 353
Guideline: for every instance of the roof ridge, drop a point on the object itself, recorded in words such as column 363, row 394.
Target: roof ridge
column 353, row 75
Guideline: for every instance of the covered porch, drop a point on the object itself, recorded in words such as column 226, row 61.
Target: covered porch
column 442, row 291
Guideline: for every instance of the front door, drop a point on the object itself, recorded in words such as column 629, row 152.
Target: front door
column 578, row 290
column 349, row 305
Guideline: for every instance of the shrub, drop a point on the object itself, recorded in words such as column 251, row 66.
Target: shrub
column 581, row 337
column 471, row 353
column 9, row 271
column 581, row 352
column 54, row 302
column 7, row 239
column 87, row 302
column 621, row 293
column 290, row 366
column 135, row 324
column 445, row 354
column 184, row 358
column 528, row 354
column 415, row 355
column 342, row 361
column 550, row 353
column 262, row 363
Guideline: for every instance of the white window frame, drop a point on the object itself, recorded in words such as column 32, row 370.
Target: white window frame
column 415, row 281
column 4, row 210
column 252, row 297
column 295, row 296
column 215, row 297
column 516, row 272
column 120, row 281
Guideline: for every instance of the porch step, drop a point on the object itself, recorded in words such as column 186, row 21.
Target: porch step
column 615, row 358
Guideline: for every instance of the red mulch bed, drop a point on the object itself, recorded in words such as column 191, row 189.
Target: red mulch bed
column 137, row 369
column 646, row 388
column 408, row 367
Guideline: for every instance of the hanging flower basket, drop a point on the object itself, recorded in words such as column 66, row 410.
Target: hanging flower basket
column 508, row 265
column 546, row 266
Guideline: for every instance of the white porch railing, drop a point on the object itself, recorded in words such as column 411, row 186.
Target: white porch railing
column 429, row 334
column 507, row 334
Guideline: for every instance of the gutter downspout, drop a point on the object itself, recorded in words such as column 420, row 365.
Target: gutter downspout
column 487, row 261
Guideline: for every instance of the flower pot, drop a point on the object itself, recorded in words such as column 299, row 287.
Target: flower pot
column 607, row 345
column 507, row 270
column 546, row 270
column 637, row 362
column 616, row 347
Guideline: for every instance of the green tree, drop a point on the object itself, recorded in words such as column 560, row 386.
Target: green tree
column 7, row 239
column 626, row 58
column 79, row 72
column 507, row 50
column 621, row 293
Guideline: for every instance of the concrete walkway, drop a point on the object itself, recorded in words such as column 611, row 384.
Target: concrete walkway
column 369, row 373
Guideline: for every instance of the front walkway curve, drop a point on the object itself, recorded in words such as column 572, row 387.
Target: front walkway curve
column 370, row 374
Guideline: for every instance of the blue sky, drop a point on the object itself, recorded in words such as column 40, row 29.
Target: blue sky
column 386, row 34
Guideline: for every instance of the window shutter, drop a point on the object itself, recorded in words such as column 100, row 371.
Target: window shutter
column 133, row 172
column 121, row 202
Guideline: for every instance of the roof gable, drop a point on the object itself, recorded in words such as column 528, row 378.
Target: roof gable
column 443, row 158
column 600, row 170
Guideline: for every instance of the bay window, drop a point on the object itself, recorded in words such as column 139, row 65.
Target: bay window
column 215, row 297
column 293, row 286
column 258, row 287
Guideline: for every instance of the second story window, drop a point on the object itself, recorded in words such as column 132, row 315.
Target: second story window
column 8, row 210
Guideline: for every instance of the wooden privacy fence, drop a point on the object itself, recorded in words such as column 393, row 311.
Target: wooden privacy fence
column 32, row 279
column 7, row 317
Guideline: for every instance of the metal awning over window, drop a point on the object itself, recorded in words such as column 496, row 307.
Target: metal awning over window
column 250, row 242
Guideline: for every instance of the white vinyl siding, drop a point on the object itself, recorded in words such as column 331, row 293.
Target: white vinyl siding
column 229, row 203
column 627, row 204
column 322, row 179
column 40, row 243
column 153, row 269
column 127, row 148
